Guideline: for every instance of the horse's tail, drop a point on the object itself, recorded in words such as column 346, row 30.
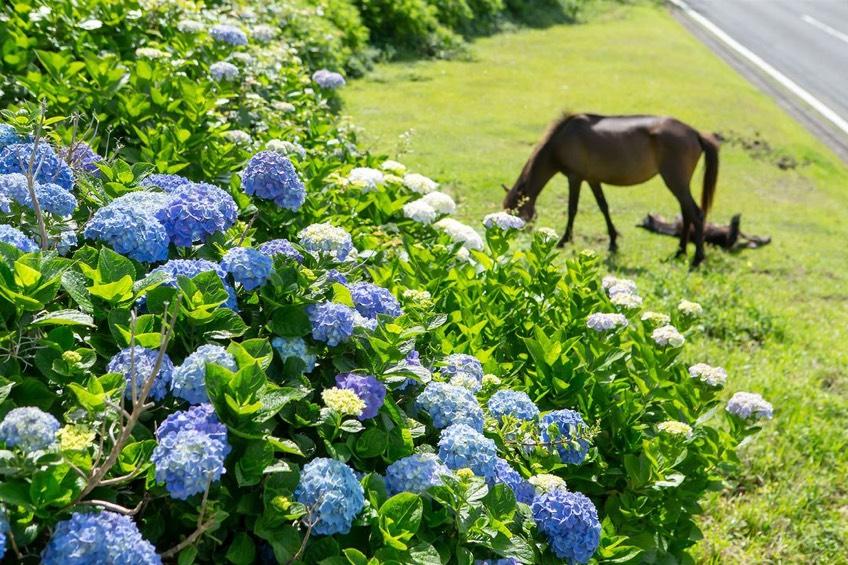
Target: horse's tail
column 710, row 146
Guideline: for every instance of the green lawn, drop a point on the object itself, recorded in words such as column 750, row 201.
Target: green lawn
column 776, row 318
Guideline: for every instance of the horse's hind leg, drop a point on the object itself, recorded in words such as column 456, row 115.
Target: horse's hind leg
column 573, row 198
column 602, row 204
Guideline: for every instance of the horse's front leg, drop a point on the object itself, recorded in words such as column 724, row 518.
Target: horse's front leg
column 573, row 198
column 602, row 204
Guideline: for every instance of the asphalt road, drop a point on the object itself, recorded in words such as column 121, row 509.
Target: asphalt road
column 804, row 40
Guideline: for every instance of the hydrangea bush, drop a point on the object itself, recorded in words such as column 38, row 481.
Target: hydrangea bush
column 225, row 352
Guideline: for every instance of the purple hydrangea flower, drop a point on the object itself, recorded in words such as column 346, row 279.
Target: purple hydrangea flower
column 104, row 537
column 48, row 167
column 332, row 495
column 222, row 70
column 139, row 363
column 248, row 266
column 749, row 405
column 371, row 391
column 462, row 446
column 196, row 211
column 280, row 247
column 328, row 79
column 570, row 521
column 14, row 236
column 82, row 158
column 371, row 300
column 272, row 176
column 332, row 323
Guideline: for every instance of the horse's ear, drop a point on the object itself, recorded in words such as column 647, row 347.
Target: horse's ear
column 505, row 187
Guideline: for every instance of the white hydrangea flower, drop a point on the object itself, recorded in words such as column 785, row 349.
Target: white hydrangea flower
column 262, row 32
column 460, row 233
column 441, row 202
column 90, row 24
column 503, row 220
column 464, row 255
column 419, row 183
column 546, row 483
column 285, row 147
column 421, row 297
column 343, row 401
column 668, row 336
column 688, row 308
column 547, row 234
column 150, row 53
column 625, row 300
column 420, row 212
column 41, row 13
column 190, row 26
column 283, row 107
column 491, row 380
column 750, row 405
column 393, row 167
column 707, row 374
column 675, row 428
column 656, row 318
column 237, row 136
column 603, row 322
column 366, row 178
column 614, row 285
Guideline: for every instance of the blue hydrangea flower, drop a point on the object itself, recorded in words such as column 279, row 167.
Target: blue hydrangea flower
column 138, row 363
column 512, row 403
column 143, row 201
column 326, row 240
column 448, row 404
column 248, row 266
column 190, row 451
column 222, row 70
column 461, row 363
column 51, row 197
column 294, row 347
column 130, row 232
column 168, row 183
column 67, row 242
column 462, row 446
column 415, row 473
column 48, row 167
column 505, row 474
column 29, row 428
column 5, row 204
column 328, row 79
column 226, row 33
column 371, row 391
column 8, row 136
column 14, row 236
column 196, row 211
column 334, row 276
column 82, row 158
column 272, row 176
column 332, row 495
column 371, row 300
column 104, row 537
column 504, row 561
column 189, row 379
column 190, row 268
column 332, row 323
column 4, row 520
column 570, row 425
column 280, row 247
column 570, row 521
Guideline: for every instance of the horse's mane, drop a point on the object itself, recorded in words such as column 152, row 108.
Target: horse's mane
column 552, row 130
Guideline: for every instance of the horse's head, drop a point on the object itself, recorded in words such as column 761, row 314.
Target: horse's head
column 518, row 201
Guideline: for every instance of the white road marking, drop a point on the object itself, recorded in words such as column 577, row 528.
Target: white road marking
column 825, row 28
column 782, row 79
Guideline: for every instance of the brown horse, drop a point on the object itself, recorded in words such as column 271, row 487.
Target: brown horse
column 621, row 151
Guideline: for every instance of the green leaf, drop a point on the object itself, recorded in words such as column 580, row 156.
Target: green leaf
column 290, row 321
column 64, row 318
column 112, row 267
column 242, row 551
column 355, row 557
column 400, row 517
column 372, row 443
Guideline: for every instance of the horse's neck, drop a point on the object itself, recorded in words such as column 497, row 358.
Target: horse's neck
column 538, row 171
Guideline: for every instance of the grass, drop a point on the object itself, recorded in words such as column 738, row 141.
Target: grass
column 776, row 317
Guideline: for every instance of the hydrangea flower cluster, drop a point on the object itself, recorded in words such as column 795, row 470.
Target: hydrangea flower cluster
column 570, row 426
column 230, row 34
column 668, row 336
column 262, row 33
column 189, row 379
column 371, row 391
column 570, row 521
column 393, row 167
column 249, row 267
column 692, row 309
column 168, row 183
column 332, row 323
column 137, row 363
column 614, row 285
column 223, row 70
column 8, row 136
column 17, row 238
column 603, row 322
column 675, row 428
column 418, row 183
column 47, row 166
column 326, row 240
column 503, row 221
column 448, row 404
column 460, row 233
column 282, row 247
column 237, row 137
column 366, row 178
column 272, row 176
column 81, row 158
column 191, row 447
column 344, row 401
column 512, row 403
column 545, row 482
column 196, row 211
column 415, row 473
column 4, row 520
column 104, row 537
column 711, row 376
column 462, row 446
column 747, row 405
column 656, row 318
column 129, row 231
column 419, row 211
column 442, row 203
column 458, row 366
column 29, row 428
column 295, row 347
column 371, row 300
column 332, row 495
column 627, row 301
column 190, row 268
column 52, row 198
column 328, row 79
column 286, row 148
column 505, row 474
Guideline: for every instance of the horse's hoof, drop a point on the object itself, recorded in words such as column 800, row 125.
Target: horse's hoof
column 697, row 261
column 613, row 248
column 561, row 243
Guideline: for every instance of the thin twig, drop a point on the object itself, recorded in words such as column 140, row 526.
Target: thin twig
column 189, row 540
column 246, row 229
column 309, row 525
column 30, row 176
column 113, row 507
